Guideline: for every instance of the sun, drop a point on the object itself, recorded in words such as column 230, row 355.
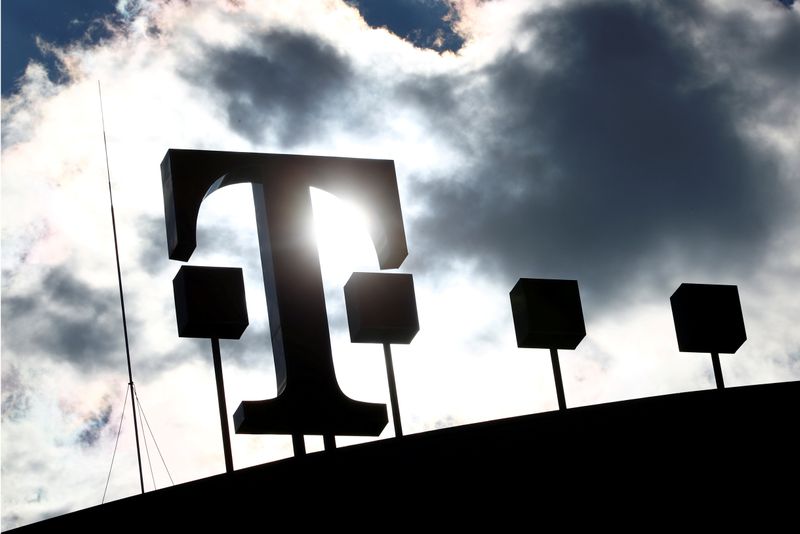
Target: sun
column 342, row 234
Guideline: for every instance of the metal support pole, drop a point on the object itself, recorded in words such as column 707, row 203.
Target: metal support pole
column 223, row 410
column 398, row 429
column 717, row 370
column 562, row 403
column 299, row 444
column 121, row 294
column 135, row 424
column 329, row 441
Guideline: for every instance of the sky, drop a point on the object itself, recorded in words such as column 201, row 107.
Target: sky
column 629, row 146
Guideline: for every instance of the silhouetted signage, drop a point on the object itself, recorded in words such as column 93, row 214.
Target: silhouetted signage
column 309, row 399
column 708, row 318
column 381, row 308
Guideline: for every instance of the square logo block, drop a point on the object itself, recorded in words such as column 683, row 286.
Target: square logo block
column 381, row 308
column 547, row 313
column 708, row 318
column 210, row 302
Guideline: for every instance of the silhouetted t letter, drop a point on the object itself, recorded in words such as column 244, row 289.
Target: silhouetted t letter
column 309, row 399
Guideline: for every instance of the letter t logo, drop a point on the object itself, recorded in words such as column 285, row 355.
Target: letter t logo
column 309, row 399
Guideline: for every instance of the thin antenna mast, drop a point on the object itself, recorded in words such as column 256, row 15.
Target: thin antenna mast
column 121, row 297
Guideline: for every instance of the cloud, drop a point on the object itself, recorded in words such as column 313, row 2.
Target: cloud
column 607, row 152
column 286, row 84
column 16, row 396
column 154, row 240
column 215, row 237
column 777, row 56
column 95, row 423
column 66, row 320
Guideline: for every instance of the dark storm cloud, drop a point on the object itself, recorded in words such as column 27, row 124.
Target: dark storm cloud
column 286, row 84
column 770, row 53
column 615, row 154
column 66, row 320
column 439, row 100
column 780, row 54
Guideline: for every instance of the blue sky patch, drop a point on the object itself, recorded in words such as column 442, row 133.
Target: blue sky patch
column 425, row 23
column 55, row 22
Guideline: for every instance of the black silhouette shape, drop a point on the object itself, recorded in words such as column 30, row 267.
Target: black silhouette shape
column 548, row 315
column 649, row 448
column 210, row 303
column 708, row 318
column 309, row 399
column 382, row 308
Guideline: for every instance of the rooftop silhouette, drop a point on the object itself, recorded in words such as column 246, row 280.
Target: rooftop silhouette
column 666, row 456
